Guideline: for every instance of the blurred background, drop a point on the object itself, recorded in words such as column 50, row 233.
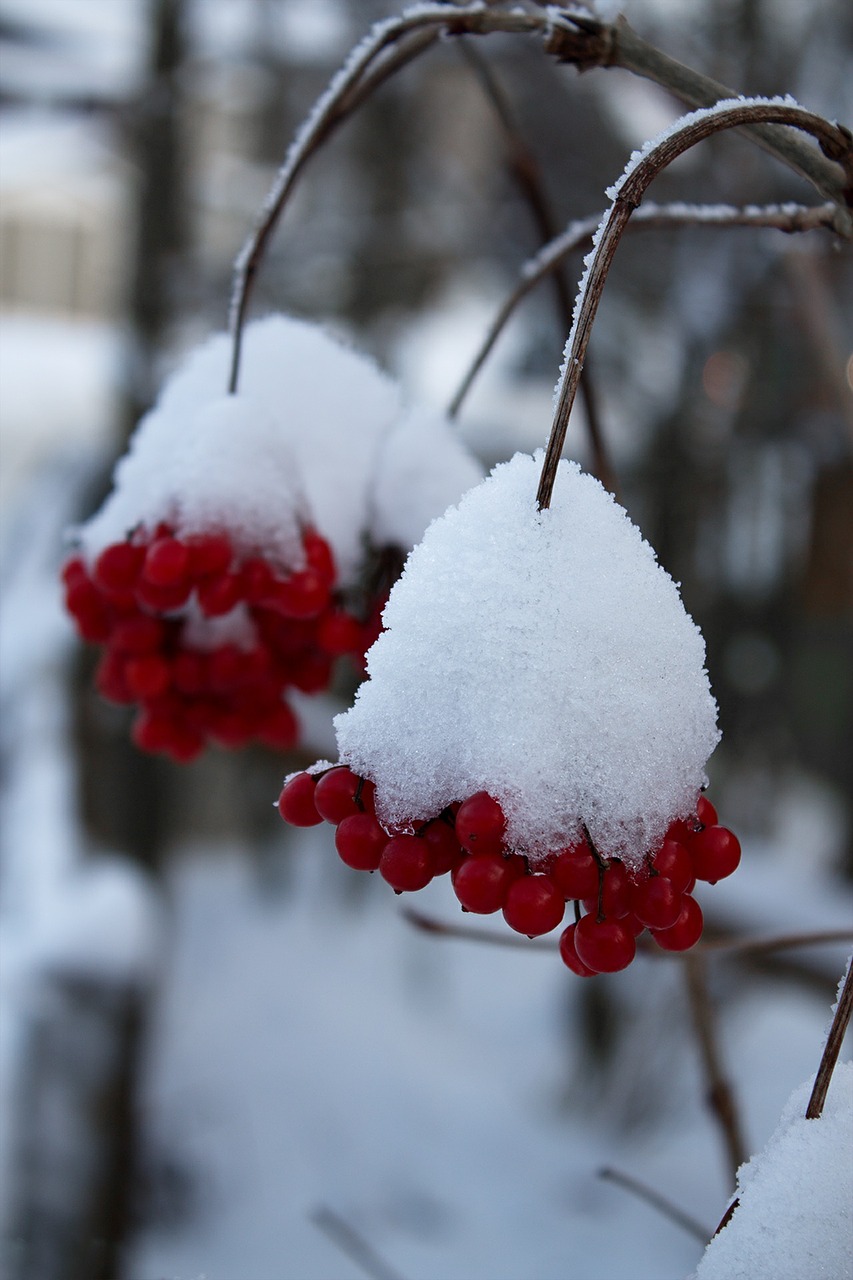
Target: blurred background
column 218, row 1045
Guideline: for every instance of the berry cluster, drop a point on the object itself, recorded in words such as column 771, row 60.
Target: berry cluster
column 151, row 601
column 612, row 906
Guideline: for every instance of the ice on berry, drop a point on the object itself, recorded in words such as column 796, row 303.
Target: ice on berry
column 545, row 658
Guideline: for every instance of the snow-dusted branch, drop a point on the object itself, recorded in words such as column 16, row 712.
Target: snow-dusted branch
column 832, row 1048
column 570, row 36
column 787, row 218
column 627, row 195
column 588, row 42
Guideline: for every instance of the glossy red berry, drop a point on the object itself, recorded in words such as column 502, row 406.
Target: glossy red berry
column 534, row 905
column 673, row 861
column 279, row 728
column 210, row 554
column 406, row 864
column 339, row 633
column 117, row 567
column 569, row 955
column 360, row 841
column 686, row 931
column 480, row 824
column 575, row 872
column 166, row 563
column 444, row 849
column 604, row 946
column 340, row 793
column 614, row 899
column 656, row 902
column 296, row 802
column 481, row 881
column 219, row 594
column 706, row 813
column 715, row 853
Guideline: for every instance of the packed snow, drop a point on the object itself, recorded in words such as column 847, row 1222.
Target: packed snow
column 542, row 656
column 794, row 1219
column 315, row 434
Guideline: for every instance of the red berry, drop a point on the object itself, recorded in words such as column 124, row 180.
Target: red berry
column 319, row 555
column 138, row 634
column 604, row 946
column 147, row 676
column 656, row 902
column 340, row 633
column 117, row 567
column 673, row 861
column 444, row 849
column 480, row 824
column 296, row 802
column 706, row 813
column 575, row 872
column 360, row 841
column 481, row 882
column 686, row 931
column 109, row 678
column 569, row 955
column 312, row 673
column 534, row 905
column 189, row 672
column 218, row 595
column 406, row 864
column 279, row 729
column 715, row 853
column 210, row 554
column 167, row 562
column 341, row 793
column 74, row 570
column 161, row 599
column 615, row 893
column 302, row 595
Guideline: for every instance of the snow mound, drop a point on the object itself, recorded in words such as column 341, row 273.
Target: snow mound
column 303, row 441
column 793, row 1220
column 544, row 657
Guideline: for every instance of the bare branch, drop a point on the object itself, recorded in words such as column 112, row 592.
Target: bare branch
column 832, row 1048
column 352, row 1244
column 719, row 1093
column 788, row 218
column 629, row 193
column 657, row 1201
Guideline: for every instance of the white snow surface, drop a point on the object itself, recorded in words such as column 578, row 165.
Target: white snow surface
column 794, row 1219
column 302, row 441
column 544, row 657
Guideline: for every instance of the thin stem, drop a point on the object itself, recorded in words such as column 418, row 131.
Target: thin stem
column 629, row 193
column 352, row 1244
column 657, row 1201
column 791, row 218
column 832, row 1048
column 348, row 89
column 529, row 182
column 719, row 1093
column 779, row 942
column 469, row 933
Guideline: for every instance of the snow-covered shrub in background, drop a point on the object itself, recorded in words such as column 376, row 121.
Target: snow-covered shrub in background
column 229, row 562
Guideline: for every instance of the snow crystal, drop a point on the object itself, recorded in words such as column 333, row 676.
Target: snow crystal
column 300, row 442
column 545, row 657
column 794, row 1219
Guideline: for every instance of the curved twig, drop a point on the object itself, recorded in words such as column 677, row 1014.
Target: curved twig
column 788, row 218
column 832, row 1048
column 627, row 196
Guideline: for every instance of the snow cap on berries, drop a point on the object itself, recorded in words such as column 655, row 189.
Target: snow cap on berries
column 544, row 657
column 317, row 435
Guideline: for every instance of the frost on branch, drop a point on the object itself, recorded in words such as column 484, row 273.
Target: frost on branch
column 793, row 1220
column 230, row 562
column 544, row 657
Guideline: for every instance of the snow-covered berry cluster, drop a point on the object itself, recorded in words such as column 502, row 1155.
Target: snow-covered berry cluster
column 613, row 904
column 236, row 558
column 150, row 600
